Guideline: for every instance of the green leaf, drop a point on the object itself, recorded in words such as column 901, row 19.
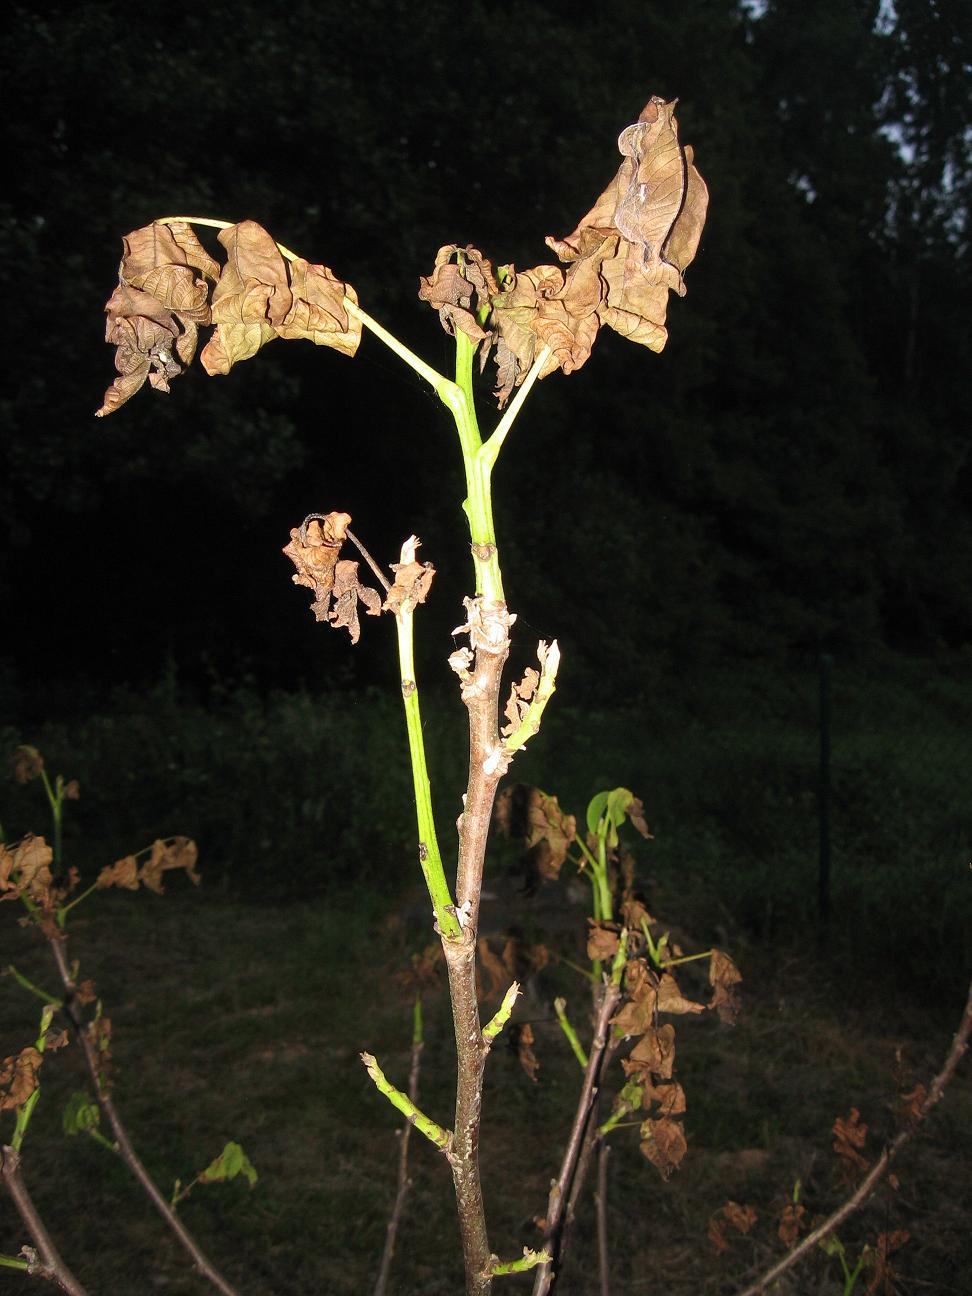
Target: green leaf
column 81, row 1115
column 595, row 810
column 232, row 1161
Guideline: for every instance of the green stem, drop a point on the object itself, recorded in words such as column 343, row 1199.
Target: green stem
column 64, row 910
column 55, row 799
column 31, row 987
column 401, row 1101
column 442, row 386
column 11, row 1262
column 499, row 434
column 560, row 1008
column 502, row 1014
column 530, row 1260
column 430, row 857
column 26, row 1110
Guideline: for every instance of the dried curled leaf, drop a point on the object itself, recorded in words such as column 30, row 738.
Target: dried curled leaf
column 155, row 312
column 849, row 1139
column 123, row 873
column 18, row 1077
column 494, row 972
column 523, row 1036
column 25, row 869
column 789, row 1228
column 459, row 288
column 173, row 853
column 602, row 939
column 412, row 580
column 529, row 815
column 671, row 999
column 724, row 976
column 26, row 764
column 314, row 550
column 663, row 1143
column 654, row 1052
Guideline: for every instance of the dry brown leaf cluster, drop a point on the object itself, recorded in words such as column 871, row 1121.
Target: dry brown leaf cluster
column 164, row 856
column 528, row 815
column 623, row 259
column 731, row 1215
column 169, row 286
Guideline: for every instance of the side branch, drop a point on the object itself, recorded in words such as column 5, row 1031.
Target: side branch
column 50, row 1265
column 125, row 1149
column 867, row 1185
column 403, row 1103
column 560, row 1192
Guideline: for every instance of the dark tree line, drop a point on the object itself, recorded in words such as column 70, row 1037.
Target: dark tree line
column 791, row 474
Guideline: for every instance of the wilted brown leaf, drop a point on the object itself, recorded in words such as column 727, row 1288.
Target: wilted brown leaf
column 633, row 245
column 655, row 1051
column 25, row 869
column 669, row 1098
column 423, row 974
column 634, row 1017
column 849, row 1138
column 724, row 976
column 99, row 1035
column 883, row 1274
column 26, row 764
column 173, row 853
column 524, row 1049
column 742, row 1218
column 493, row 969
column 314, row 551
column 526, row 813
column 346, row 592
column 72, row 790
column 412, row 580
column 912, row 1108
column 85, row 993
column 671, row 999
column 789, row 1229
column 602, row 939
column 520, row 694
column 663, row 1143
column 123, row 873
column 459, row 288
column 18, row 1077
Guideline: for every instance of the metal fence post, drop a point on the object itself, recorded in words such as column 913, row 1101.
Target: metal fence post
column 823, row 793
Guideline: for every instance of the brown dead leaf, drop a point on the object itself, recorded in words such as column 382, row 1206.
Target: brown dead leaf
column 913, row 1103
column 883, row 1274
column 493, row 969
column 424, row 972
column 602, row 939
column 789, row 1229
column 668, row 1098
column 99, row 1035
column 314, row 552
column 716, row 1233
column 459, row 288
column 527, row 814
column 18, row 1077
column 85, row 993
column 26, row 764
column 632, row 247
column 742, row 1218
column 671, row 999
column 634, row 1018
column 173, row 853
column 663, row 1143
column 724, row 976
column 123, row 873
column 346, row 592
column 849, row 1138
column 412, row 580
column 56, row 1040
column 524, row 1049
column 25, row 869
column 72, row 790
column 655, row 1051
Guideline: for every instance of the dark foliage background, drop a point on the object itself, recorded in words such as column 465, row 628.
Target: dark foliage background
column 790, row 475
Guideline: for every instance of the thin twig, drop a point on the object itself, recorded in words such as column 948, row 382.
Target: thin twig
column 603, row 1255
column 404, row 1183
column 864, row 1189
column 561, row 1188
column 51, row 1266
column 125, row 1149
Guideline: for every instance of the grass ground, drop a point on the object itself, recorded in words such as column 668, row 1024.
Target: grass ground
column 244, row 1020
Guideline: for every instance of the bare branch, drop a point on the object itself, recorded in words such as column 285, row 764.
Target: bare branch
column 867, row 1185
column 51, row 1266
